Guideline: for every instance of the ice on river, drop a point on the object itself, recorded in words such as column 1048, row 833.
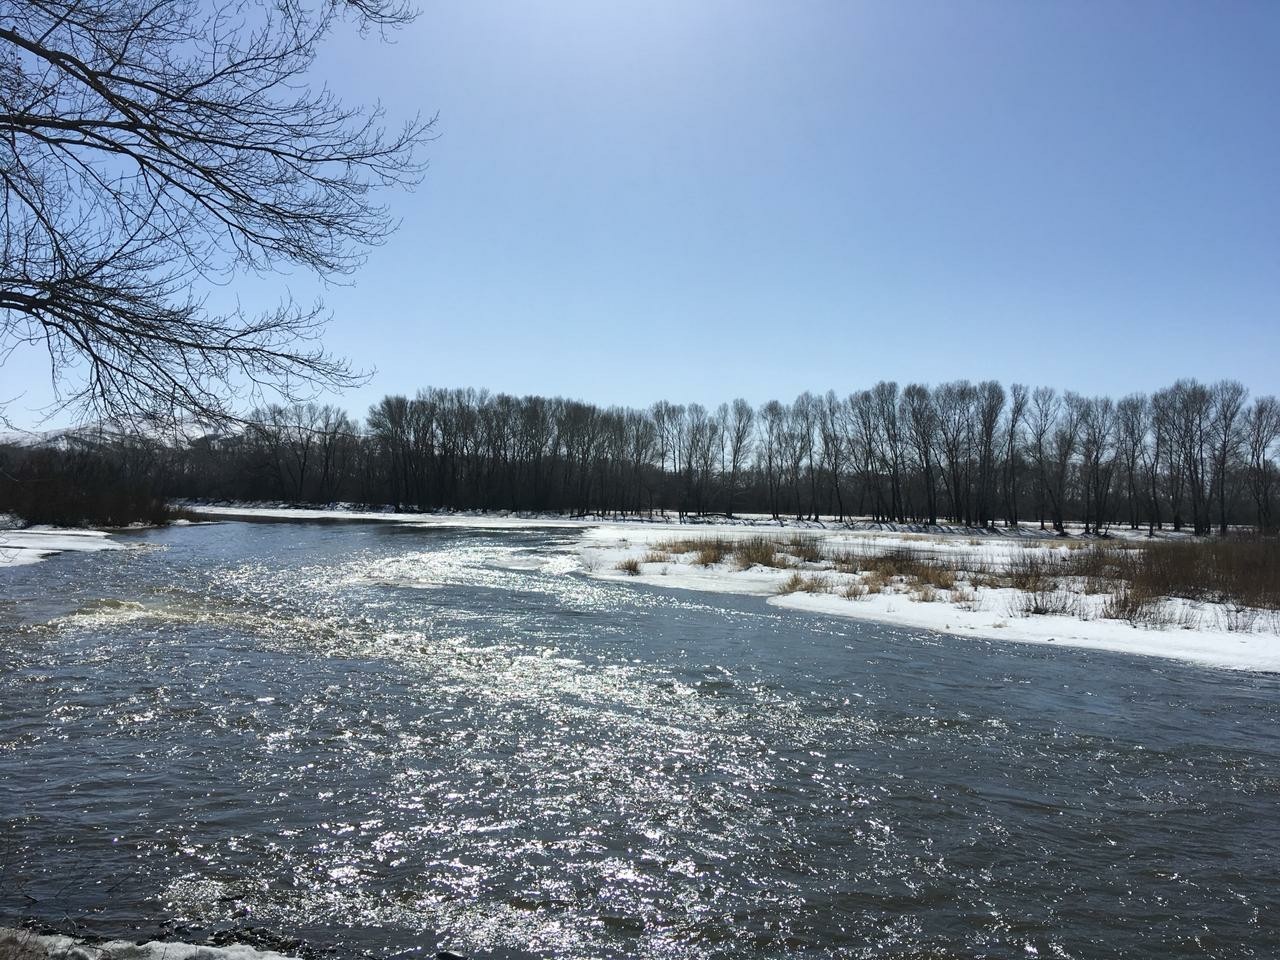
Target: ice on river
column 20, row 547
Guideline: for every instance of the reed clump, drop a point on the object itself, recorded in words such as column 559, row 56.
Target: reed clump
column 1244, row 571
column 799, row 583
column 1048, row 600
column 758, row 551
column 805, row 548
column 1130, row 602
column 707, row 550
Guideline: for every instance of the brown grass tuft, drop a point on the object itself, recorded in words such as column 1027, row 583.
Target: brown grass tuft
column 805, row 548
column 855, row 591
column 1049, row 600
column 630, row 566
column 762, row 551
column 798, row 583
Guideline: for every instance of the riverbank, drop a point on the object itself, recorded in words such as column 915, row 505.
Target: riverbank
column 1019, row 589
column 1001, row 584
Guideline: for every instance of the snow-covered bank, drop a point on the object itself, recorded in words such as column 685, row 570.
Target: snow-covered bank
column 20, row 547
column 25, row 945
column 1212, row 634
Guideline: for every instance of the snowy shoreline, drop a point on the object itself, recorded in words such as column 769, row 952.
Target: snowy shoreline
column 1208, row 634
column 987, row 612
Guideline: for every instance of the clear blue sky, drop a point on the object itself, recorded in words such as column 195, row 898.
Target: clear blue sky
column 699, row 200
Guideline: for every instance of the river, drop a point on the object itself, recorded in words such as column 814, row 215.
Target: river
column 394, row 739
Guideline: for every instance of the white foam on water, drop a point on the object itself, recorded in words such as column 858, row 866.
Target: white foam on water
column 33, row 946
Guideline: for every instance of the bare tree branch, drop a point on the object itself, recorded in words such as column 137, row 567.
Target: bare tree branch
column 150, row 147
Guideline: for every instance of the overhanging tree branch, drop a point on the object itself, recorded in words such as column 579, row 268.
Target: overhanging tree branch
column 150, row 146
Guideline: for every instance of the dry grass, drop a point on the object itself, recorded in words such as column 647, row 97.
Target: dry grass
column 855, row 591
column 1129, row 602
column 965, row 597
column 707, row 550
column 942, row 578
column 745, row 552
column 682, row 545
column 758, row 551
column 806, row 549
column 793, row 584
column 630, row 566
column 1133, row 579
column 875, row 582
column 1031, row 573
column 925, row 593
column 1231, row 570
column 711, row 553
column 1237, row 618
column 906, row 567
column 1049, row 600
column 1241, row 573
column 799, row 583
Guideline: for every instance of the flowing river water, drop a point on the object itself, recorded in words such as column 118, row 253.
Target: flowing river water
column 393, row 739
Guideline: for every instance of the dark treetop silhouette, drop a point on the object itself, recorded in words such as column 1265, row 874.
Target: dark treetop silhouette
column 1190, row 456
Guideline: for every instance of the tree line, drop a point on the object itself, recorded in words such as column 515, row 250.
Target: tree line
column 1190, row 456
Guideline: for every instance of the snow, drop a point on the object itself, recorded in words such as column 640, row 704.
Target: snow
column 58, row 947
column 1209, row 647
column 987, row 612
column 21, row 547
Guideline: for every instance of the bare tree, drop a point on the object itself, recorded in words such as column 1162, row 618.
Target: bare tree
column 989, row 402
column 1261, row 434
column 772, row 451
column 866, row 446
column 920, row 416
column 1045, row 408
column 802, row 425
column 389, row 429
column 1228, row 404
column 738, row 428
column 954, row 403
column 150, row 148
column 1164, row 452
column 1133, row 432
column 885, row 394
column 831, row 433
column 1192, row 409
column 1018, row 397
column 667, row 418
column 1097, row 460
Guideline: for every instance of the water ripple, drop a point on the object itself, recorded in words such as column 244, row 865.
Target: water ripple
column 371, row 738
